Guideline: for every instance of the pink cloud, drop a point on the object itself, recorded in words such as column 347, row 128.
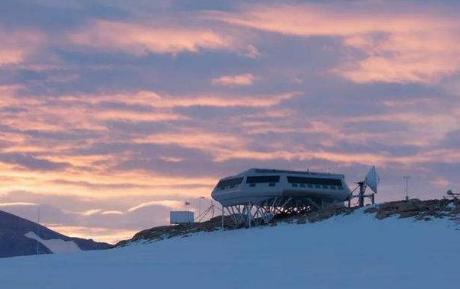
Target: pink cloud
column 244, row 79
column 400, row 44
column 341, row 19
column 139, row 39
column 423, row 56
column 440, row 182
column 17, row 45
column 166, row 101
column 380, row 159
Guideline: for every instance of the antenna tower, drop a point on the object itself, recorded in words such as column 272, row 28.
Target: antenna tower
column 406, row 191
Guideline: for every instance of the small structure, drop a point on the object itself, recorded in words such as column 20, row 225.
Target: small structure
column 181, row 217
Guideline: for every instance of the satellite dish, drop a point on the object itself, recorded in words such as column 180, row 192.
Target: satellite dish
column 372, row 179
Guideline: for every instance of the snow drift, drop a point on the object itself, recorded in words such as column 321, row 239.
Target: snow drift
column 348, row 251
column 55, row 245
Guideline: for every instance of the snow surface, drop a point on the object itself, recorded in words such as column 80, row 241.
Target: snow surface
column 355, row 251
column 55, row 245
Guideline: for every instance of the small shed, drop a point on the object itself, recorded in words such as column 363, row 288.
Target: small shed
column 181, row 217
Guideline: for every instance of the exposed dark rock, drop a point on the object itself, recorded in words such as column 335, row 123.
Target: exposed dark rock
column 421, row 205
column 421, row 210
column 371, row 210
column 166, row 232
column 406, row 207
column 408, row 214
column 382, row 215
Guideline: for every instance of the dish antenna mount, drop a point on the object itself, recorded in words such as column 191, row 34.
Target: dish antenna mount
column 372, row 181
column 453, row 195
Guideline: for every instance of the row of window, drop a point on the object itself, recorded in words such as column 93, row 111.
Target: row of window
column 314, row 181
column 269, row 184
column 302, row 182
column 262, row 179
column 296, row 185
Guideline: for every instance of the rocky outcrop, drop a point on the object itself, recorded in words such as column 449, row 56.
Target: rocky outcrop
column 419, row 210
column 414, row 208
column 214, row 224
column 167, row 232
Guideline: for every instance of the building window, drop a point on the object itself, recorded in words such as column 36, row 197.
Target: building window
column 262, row 179
column 229, row 183
column 317, row 182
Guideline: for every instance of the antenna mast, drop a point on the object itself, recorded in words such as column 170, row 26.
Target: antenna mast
column 199, row 205
column 406, row 191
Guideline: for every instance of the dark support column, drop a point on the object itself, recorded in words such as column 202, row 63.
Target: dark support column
column 362, row 189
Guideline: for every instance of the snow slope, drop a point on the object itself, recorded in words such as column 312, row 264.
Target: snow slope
column 55, row 245
column 354, row 251
column 17, row 238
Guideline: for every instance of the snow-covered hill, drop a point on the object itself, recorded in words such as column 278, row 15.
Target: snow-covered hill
column 18, row 237
column 350, row 251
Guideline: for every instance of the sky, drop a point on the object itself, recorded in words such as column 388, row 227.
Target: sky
column 113, row 113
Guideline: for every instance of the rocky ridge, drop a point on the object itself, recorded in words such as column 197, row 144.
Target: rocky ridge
column 419, row 210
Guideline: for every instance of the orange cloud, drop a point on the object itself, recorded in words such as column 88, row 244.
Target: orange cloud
column 139, row 39
column 98, row 233
column 16, row 204
column 89, row 114
column 111, row 183
column 244, row 79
